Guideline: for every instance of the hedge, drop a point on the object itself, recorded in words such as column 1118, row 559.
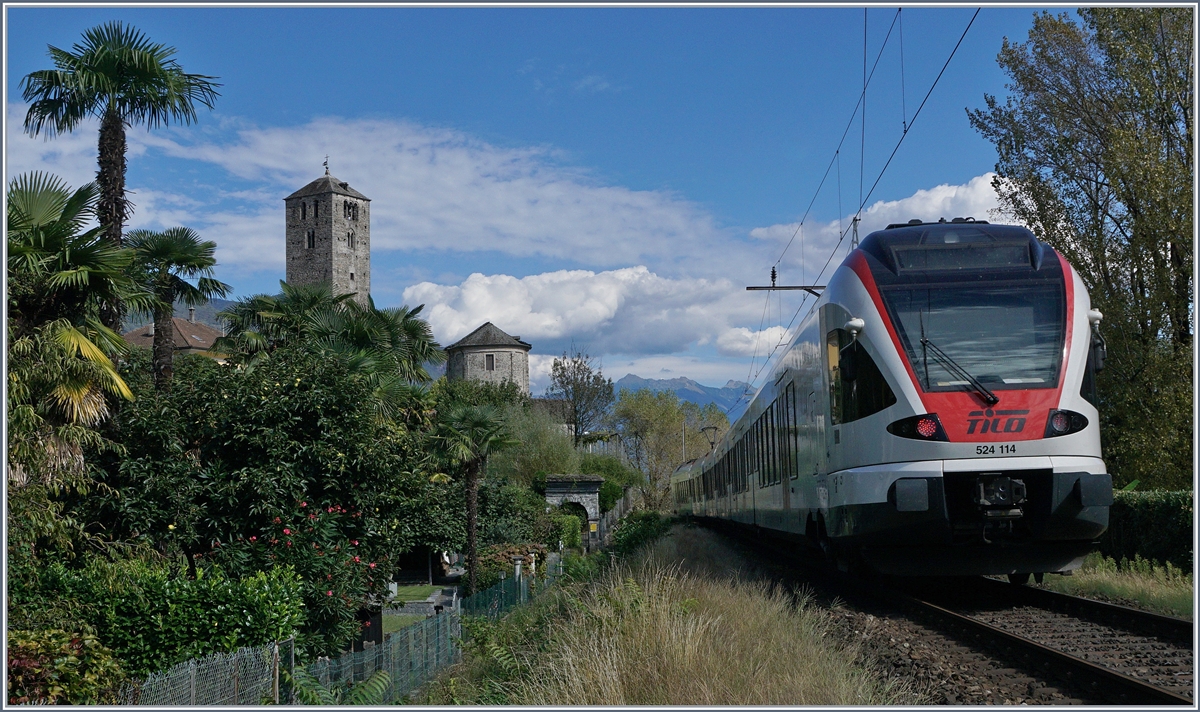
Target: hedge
column 152, row 620
column 1155, row 525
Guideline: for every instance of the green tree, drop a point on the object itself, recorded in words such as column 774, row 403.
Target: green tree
column 468, row 435
column 656, row 428
column 389, row 347
column 168, row 260
column 1095, row 155
column 575, row 379
column 122, row 78
column 541, row 447
column 60, row 368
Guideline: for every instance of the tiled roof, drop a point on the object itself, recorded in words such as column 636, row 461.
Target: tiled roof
column 489, row 335
column 327, row 184
column 188, row 335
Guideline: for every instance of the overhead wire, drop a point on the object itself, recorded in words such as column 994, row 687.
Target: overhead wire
column 863, row 201
column 845, row 133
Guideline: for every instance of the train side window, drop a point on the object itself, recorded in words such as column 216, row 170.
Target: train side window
column 776, row 442
column 760, row 460
column 868, row 392
column 791, row 442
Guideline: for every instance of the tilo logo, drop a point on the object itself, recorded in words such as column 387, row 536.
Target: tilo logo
column 990, row 420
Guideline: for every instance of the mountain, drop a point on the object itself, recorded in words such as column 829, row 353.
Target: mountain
column 728, row 397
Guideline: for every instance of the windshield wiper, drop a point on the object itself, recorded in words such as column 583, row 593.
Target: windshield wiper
column 952, row 366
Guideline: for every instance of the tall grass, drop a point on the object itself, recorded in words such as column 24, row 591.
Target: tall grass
column 675, row 626
column 1145, row 584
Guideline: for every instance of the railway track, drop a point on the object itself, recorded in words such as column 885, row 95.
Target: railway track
column 1061, row 649
column 1115, row 654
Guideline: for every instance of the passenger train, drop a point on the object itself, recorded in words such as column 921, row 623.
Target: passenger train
column 934, row 414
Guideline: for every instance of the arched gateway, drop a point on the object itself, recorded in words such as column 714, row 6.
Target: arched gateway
column 583, row 490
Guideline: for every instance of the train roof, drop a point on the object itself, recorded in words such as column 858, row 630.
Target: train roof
column 962, row 243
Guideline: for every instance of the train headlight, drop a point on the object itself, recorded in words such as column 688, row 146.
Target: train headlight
column 1064, row 422
column 919, row 427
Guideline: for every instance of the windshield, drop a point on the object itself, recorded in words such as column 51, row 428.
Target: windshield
column 1005, row 334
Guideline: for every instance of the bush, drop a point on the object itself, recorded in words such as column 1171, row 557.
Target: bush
column 497, row 559
column 152, row 621
column 617, row 476
column 638, row 529
column 567, row 528
column 1154, row 525
column 57, row 667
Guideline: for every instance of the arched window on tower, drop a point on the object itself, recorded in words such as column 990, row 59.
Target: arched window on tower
column 350, row 239
column 303, row 210
column 310, row 239
column 316, row 209
column 354, row 212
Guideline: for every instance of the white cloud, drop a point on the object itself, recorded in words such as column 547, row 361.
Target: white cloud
column 439, row 189
column 813, row 243
column 740, row 341
column 630, row 310
column 70, row 156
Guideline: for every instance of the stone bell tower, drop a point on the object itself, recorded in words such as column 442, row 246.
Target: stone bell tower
column 329, row 236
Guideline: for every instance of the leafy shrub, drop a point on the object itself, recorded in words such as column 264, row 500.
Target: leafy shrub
column 57, row 667
column 152, row 621
column 585, row 567
column 568, row 529
column 1153, row 525
column 638, row 529
column 617, row 476
column 498, row 558
column 337, row 572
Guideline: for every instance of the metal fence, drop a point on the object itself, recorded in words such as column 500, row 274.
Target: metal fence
column 248, row 676
column 411, row 656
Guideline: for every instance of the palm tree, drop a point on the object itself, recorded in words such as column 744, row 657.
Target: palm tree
column 57, row 270
column 168, row 259
column 389, row 348
column 119, row 76
column 258, row 325
column 59, row 354
column 469, row 434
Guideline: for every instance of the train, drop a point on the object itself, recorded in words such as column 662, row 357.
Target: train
column 933, row 415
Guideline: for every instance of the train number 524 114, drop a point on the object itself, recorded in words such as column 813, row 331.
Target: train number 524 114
column 995, row 449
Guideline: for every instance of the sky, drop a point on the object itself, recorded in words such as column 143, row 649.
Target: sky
column 602, row 178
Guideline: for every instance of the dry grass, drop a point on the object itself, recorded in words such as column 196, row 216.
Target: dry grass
column 1140, row 583
column 685, row 623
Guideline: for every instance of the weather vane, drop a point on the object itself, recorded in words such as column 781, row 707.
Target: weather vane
column 326, row 164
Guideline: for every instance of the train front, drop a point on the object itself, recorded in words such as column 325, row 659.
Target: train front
column 996, row 465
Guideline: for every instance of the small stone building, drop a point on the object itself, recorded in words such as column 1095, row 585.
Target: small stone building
column 490, row 355
column 328, row 237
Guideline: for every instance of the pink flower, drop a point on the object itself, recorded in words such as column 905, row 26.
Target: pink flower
column 304, row 504
column 289, row 543
column 354, row 542
column 276, row 520
column 287, row 531
column 312, row 516
column 329, row 593
column 372, row 564
column 253, row 538
column 328, row 577
column 356, row 559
